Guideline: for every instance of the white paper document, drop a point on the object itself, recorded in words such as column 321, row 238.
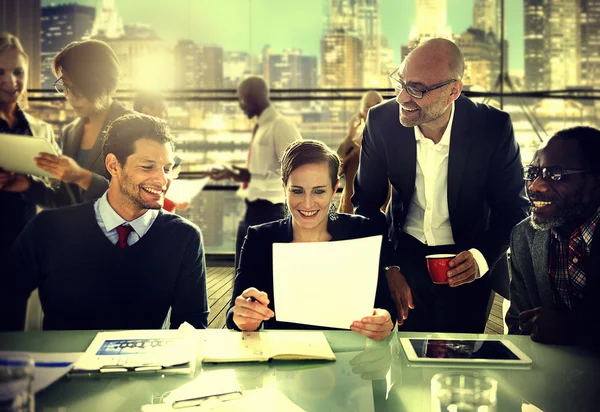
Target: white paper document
column 184, row 190
column 18, row 152
column 165, row 351
column 328, row 284
column 49, row 367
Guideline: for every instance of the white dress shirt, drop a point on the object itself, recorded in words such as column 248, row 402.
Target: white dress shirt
column 273, row 135
column 109, row 220
column 428, row 217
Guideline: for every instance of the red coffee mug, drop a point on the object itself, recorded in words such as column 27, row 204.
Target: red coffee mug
column 437, row 265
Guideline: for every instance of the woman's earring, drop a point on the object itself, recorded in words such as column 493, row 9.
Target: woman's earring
column 333, row 214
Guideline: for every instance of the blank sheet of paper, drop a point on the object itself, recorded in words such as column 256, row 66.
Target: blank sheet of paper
column 329, row 284
column 184, row 190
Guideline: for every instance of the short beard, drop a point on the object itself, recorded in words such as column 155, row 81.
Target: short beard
column 568, row 215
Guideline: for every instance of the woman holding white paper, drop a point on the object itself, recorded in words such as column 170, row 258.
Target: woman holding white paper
column 310, row 174
column 14, row 62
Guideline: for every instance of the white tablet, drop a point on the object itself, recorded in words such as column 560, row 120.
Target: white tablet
column 18, row 152
column 463, row 351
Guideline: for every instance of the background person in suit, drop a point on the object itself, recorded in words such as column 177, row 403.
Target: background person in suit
column 309, row 170
column 87, row 72
column 117, row 263
column 555, row 262
column 455, row 171
column 16, row 210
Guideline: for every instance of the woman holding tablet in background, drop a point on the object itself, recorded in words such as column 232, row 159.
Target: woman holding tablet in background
column 309, row 170
column 87, row 74
column 16, row 210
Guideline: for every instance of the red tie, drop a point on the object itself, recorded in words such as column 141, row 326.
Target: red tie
column 245, row 184
column 123, row 232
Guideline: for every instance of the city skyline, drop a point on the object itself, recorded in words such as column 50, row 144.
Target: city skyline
column 298, row 26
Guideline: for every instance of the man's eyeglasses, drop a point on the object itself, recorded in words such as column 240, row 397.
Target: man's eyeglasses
column 551, row 173
column 412, row 90
column 62, row 88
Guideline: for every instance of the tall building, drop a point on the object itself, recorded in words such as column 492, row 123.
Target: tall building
column 563, row 48
column 108, row 24
column 481, row 51
column 536, row 70
column 431, row 20
column 552, row 44
column 291, row 70
column 486, row 16
column 23, row 19
column 361, row 19
column 341, row 60
column 198, row 67
column 62, row 25
column 590, row 43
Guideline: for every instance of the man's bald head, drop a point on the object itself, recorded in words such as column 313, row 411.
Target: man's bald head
column 253, row 95
column 442, row 53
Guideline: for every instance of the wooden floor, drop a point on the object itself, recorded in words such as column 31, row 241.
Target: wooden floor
column 219, row 283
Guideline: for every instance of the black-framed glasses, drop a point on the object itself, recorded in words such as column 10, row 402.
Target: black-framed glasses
column 63, row 89
column 550, row 173
column 413, row 90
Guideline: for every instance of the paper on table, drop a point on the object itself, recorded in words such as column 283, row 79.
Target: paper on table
column 184, row 190
column 327, row 284
column 212, row 383
column 49, row 367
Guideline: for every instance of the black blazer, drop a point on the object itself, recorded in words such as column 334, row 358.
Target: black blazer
column 256, row 262
column 60, row 194
column 486, row 194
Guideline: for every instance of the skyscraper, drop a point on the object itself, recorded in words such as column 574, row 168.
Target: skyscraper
column 23, row 19
column 197, row 66
column 108, row 23
column 341, row 60
column 590, row 43
column 536, row 70
column 431, row 20
column 486, row 16
column 292, row 70
column 62, row 25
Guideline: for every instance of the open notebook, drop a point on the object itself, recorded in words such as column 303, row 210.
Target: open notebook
column 227, row 346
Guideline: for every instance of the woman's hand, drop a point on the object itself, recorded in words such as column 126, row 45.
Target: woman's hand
column 64, row 168
column 251, row 309
column 376, row 327
column 14, row 182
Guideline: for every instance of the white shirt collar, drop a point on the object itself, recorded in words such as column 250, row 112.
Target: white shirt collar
column 445, row 140
column 266, row 116
column 112, row 219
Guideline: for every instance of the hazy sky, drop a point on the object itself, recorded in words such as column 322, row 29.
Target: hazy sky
column 242, row 25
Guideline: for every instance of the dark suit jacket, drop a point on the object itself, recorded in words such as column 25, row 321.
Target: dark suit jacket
column 485, row 187
column 60, row 194
column 256, row 262
column 530, row 285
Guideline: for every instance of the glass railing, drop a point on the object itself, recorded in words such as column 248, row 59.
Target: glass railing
column 209, row 129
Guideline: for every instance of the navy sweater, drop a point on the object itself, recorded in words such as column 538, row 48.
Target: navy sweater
column 86, row 282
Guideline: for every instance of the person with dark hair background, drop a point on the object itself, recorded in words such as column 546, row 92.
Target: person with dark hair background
column 555, row 288
column 87, row 74
column 119, row 262
column 309, row 171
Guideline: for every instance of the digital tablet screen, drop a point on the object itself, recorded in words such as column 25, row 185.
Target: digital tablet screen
column 461, row 349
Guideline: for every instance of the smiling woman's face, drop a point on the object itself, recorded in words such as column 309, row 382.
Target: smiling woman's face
column 309, row 194
column 13, row 76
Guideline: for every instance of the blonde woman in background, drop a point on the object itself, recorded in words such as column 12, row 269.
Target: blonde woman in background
column 349, row 150
column 16, row 210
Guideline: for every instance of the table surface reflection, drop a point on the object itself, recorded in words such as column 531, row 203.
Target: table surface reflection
column 367, row 376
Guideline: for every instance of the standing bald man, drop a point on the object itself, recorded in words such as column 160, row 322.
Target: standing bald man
column 455, row 171
column 261, row 178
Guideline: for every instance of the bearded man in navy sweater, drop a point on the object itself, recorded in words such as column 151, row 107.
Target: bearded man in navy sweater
column 119, row 262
